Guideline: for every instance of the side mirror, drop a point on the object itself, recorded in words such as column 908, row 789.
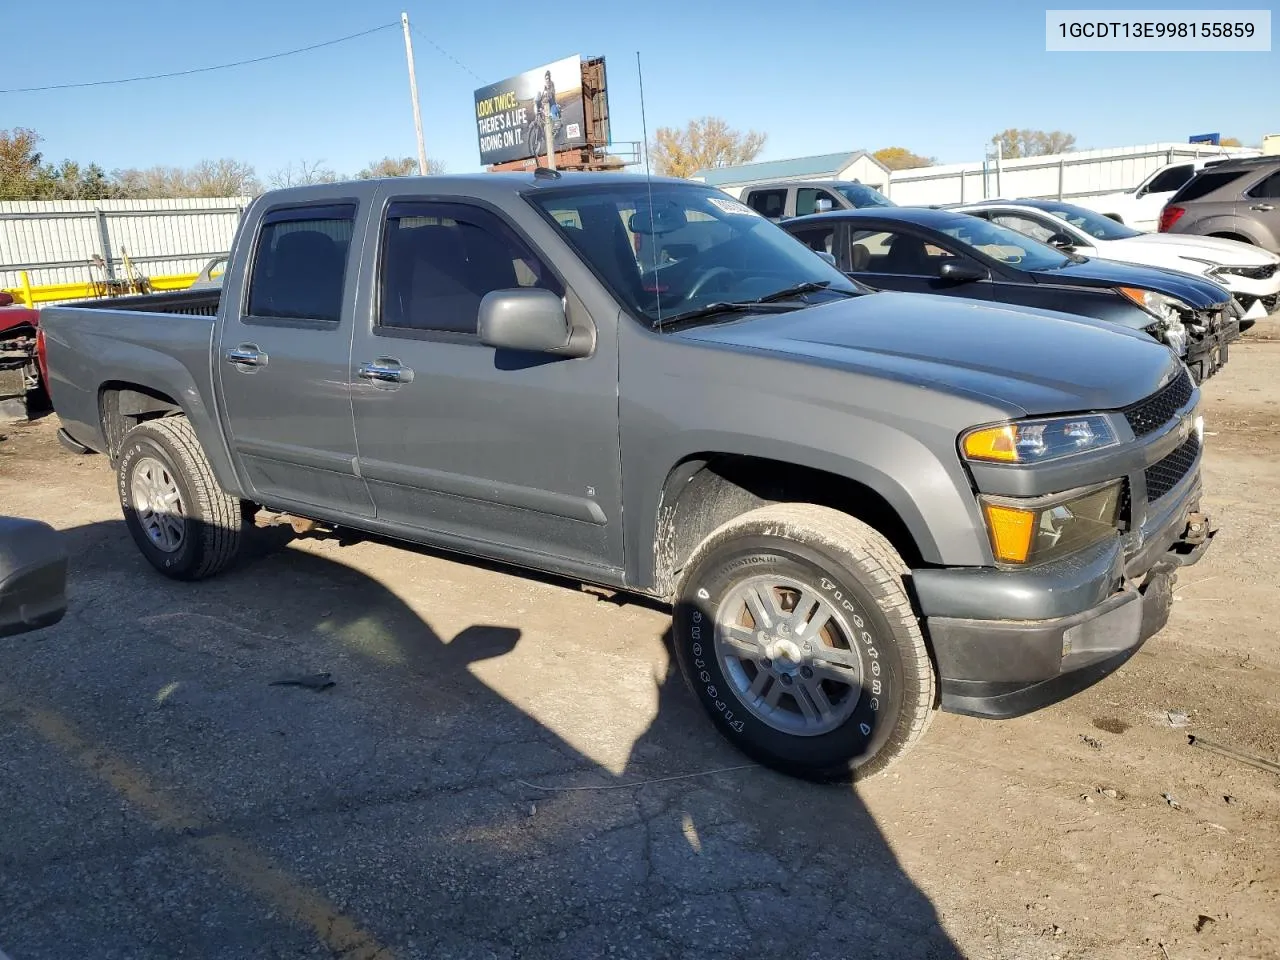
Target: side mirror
column 528, row 319
column 957, row 271
column 823, row 206
column 829, row 257
column 33, row 576
column 1061, row 241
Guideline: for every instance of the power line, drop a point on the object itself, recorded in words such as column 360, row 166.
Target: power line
column 447, row 54
column 187, row 73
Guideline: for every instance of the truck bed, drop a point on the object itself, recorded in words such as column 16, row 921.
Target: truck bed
column 158, row 343
column 202, row 302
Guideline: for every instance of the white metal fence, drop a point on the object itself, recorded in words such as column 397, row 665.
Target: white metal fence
column 1083, row 173
column 56, row 241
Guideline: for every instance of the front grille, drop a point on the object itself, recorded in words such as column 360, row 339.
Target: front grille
column 1125, row 512
column 1163, row 475
column 1149, row 415
column 1265, row 272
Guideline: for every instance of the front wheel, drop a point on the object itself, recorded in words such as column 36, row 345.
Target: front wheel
column 794, row 629
column 177, row 514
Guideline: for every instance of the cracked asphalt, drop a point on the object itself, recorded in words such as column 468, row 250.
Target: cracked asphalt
column 507, row 766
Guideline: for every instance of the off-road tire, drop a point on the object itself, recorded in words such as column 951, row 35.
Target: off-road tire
column 857, row 570
column 213, row 521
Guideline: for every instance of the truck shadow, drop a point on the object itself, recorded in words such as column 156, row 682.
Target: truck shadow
column 449, row 820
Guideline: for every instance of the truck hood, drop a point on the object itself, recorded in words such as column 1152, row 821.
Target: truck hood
column 1216, row 250
column 1095, row 272
column 1024, row 360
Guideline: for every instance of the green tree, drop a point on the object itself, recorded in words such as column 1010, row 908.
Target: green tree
column 20, row 163
column 706, row 142
column 900, row 158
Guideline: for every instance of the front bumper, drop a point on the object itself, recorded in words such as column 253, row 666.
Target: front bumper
column 1207, row 352
column 1009, row 642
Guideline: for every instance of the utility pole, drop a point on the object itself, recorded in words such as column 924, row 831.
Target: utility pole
column 413, row 93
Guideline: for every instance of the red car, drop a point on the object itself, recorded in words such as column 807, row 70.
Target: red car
column 22, row 390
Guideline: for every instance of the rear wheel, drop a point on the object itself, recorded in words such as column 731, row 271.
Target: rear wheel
column 795, row 632
column 178, row 515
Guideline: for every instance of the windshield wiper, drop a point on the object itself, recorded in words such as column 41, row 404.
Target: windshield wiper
column 710, row 310
column 809, row 286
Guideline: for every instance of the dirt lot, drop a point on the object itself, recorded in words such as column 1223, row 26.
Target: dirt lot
column 502, row 768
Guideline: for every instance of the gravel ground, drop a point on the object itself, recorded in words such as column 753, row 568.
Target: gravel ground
column 506, row 766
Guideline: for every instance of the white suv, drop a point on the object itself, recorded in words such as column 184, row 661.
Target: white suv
column 1140, row 207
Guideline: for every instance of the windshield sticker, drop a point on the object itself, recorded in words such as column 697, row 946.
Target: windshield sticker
column 733, row 206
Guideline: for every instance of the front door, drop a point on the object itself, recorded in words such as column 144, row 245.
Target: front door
column 283, row 361
column 502, row 453
column 903, row 259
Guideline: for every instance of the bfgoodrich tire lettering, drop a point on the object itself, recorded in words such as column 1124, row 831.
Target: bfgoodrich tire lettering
column 203, row 525
column 849, row 696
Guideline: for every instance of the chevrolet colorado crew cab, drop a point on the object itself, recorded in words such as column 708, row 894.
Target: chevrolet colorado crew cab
column 861, row 506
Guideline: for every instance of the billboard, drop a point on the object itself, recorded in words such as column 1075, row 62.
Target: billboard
column 509, row 113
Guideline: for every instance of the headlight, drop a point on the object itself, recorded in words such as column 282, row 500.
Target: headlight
column 1037, row 530
column 1173, row 334
column 1169, row 309
column 1038, row 441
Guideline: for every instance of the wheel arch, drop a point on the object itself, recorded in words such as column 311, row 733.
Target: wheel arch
column 706, row 489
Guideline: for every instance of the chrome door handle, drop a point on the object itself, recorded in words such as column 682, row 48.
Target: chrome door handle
column 385, row 370
column 1264, row 207
column 247, row 355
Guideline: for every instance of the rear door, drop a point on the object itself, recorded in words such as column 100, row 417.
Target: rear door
column 498, row 451
column 283, row 358
column 1261, row 206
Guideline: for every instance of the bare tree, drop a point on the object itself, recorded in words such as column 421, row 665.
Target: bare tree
column 223, row 178
column 1033, row 143
column 706, row 142
column 900, row 158
column 398, row 167
column 306, row 172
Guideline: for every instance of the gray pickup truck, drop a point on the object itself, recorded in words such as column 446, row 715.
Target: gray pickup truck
column 860, row 506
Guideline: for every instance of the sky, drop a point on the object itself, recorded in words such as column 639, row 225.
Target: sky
column 939, row 78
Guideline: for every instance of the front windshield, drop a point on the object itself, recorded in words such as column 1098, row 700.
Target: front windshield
column 689, row 248
column 1094, row 224
column 860, row 195
column 1005, row 245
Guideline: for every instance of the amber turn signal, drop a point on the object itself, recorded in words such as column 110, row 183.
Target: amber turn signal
column 994, row 443
column 1010, row 530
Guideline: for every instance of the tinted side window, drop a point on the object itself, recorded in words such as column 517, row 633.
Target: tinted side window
column 439, row 260
column 300, row 264
column 807, row 198
column 1171, row 179
column 1268, row 189
column 1205, row 183
column 770, row 203
column 1026, row 226
column 904, row 254
column 817, row 238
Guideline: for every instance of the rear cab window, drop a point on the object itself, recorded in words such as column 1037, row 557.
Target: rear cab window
column 300, row 264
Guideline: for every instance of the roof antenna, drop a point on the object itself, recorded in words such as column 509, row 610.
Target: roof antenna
column 648, row 176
